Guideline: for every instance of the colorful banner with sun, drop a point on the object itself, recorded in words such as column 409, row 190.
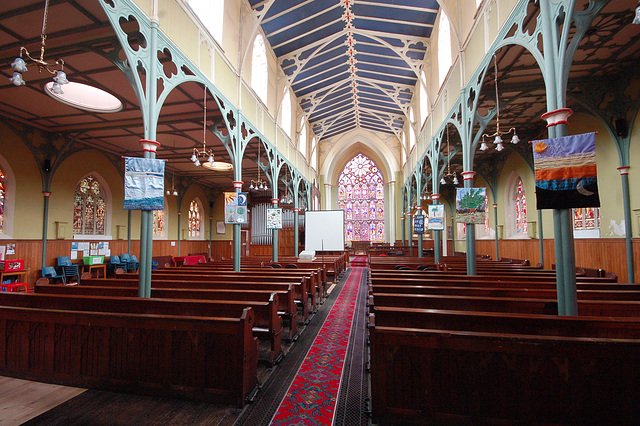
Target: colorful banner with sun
column 566, row 172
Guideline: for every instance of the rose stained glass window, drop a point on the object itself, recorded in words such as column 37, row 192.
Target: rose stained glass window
column 89, row 208
column 521, row 208
column 194, row 219
column 361, row 196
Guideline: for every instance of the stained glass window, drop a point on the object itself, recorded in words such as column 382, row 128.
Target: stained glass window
column 194, row 219
column 158, row 223
column 89, row 208
column 3, row 189
column 361, row 196
column 521, row 208
column 586, row 218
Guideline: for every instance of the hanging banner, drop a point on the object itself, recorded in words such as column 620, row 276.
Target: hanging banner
column 566, row 172
column 143, row 184
column 471, row 205
column 274, row 218
column 418, row 224
column 235, row 207
column 436, row 217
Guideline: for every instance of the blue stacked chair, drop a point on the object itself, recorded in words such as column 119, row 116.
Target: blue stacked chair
column 51, row 274
column 116, row 263
column 67, row 269
column 126, row 260
column 132, row 264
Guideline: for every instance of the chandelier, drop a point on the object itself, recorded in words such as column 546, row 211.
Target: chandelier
column 449, row 175
column 173, row 190
column 498, row 133
column 259, row 184
column 19, row 65
column 205, row 153
column 286, row 199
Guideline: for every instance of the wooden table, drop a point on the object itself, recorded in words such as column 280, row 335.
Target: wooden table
column 102, row 267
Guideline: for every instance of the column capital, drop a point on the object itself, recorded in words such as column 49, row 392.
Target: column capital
column 274, row 201
column 559, row 116
column 237, row 184
column 150, row 146
column 468, row 175
column 624, row 170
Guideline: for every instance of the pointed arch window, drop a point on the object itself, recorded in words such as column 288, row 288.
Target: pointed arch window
column 3, row 192
column 444, row 47
column 259, row 70
column 211, row 14
column 520, row 205
column 361, row 196
column 89, row 208
column 285, row 113
column 158, row 223
column 195, row 222
column 302, row 144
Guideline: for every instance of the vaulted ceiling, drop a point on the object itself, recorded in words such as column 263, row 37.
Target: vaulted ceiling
column 351, row 64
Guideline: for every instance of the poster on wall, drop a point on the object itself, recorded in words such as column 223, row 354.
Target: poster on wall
column 143, row 184
column 436, row 217
column 471, row 205
column 418, row 224
column 235, row 207
column 274, row 218
column 566, row 172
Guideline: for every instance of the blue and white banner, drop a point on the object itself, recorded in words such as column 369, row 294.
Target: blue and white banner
column 143, row 184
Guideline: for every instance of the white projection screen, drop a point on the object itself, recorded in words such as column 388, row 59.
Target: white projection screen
column 324, row 230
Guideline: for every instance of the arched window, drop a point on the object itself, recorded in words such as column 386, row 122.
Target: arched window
column 3, row 190
column 520, row 205
column 259, row 70
column 302, row 143
column 444, row 47
column 195, row 222
column 314, row 154
column 487, row 228
column 424, row 103
column 89, row 208
column 211, row 14
column 361, row 196
column 158, row 223
column 285, row 113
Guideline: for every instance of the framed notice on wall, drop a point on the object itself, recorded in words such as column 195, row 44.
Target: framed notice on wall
column 274, row 218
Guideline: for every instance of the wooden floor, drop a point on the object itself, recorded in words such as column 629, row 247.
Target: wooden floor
column 22, row 400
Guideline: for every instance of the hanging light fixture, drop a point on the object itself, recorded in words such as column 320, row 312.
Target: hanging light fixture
column 497, row 136
column 259, row 184
column 173, row 190
column 449, row 175
column 286, row 199
column 205, row 153
column 19, row 65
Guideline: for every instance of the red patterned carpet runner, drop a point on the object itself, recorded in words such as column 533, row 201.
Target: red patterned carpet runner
column 359, row 261
column 311, row 399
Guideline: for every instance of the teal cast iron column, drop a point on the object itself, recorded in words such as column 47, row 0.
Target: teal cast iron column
column 540, row 238
column 45, row 221
column 470, row 230
column 146, row 232
column 437, row 235
column 624, row 175
column 237, row 234
column 179, row 217
column 495, row 215
column 210, row 232
column 296, row 239
column 129, row 231
column 274, row 202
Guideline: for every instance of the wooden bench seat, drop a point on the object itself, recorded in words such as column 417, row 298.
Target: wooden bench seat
column 296, row 296
column 267, row 322
column 199, row 358
column 430, row 366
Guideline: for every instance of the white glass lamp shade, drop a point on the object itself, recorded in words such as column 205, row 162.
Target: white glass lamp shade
column 499, row 146
column 515, row 139
column 483, row 146
column 194, row 158
column 455, row 180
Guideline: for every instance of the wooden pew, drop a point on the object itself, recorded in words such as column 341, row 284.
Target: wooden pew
column 199, row 358
column 443, row 367
column 267, row 323
column 297, row 296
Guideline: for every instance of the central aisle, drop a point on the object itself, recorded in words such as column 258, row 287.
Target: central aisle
column 313, row 393
column 322, row 380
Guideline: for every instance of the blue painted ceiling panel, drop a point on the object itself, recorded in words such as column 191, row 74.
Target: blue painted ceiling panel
column 365, row 44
